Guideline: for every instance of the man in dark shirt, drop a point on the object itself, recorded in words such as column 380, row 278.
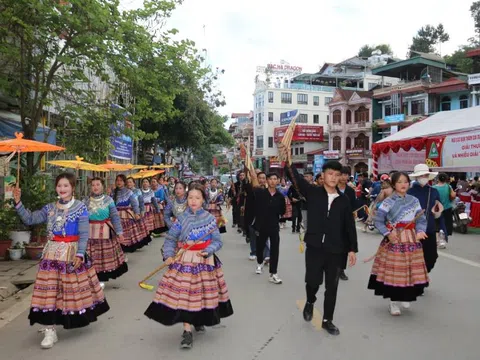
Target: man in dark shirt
column 331, row 237
column 269, row 207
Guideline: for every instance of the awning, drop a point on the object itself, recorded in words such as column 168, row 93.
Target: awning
column 11, row 123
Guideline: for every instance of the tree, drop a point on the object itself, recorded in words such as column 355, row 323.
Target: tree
column 459, row 60
column 427, row 37
column 367, row 50
column 475, row 12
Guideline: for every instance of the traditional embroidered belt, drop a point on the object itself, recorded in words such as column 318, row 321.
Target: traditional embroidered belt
column 406, row 226
column 200, row 246
column 69, row 238
column 99, row 221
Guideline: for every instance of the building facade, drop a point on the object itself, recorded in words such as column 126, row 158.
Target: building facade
column 350, row 128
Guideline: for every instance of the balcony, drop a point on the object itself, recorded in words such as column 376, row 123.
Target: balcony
column 360, row 126
column 402, row 87
column 335, row 128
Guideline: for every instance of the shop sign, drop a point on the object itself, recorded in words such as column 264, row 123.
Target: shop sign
column 331, row 154
column 461, row 150
column 394, row 118
column 355, row 153
column 306, row 133
column 473, row 79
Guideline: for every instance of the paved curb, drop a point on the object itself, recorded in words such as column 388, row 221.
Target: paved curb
column 16, row 305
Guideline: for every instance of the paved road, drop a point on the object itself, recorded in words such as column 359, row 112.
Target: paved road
column 267, row 324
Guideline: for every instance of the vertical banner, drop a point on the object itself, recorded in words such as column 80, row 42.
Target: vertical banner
column 434, row 151
column 318, row 162
column 122, row 144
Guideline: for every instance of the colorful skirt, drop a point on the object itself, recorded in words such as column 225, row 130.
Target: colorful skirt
column 149, row 218
column 134, row 234
column 193, row 291
column 106, row 253
column 288, row 209
column 216, row 211
column 159, row 221
column 63, row 296
column 399, row 272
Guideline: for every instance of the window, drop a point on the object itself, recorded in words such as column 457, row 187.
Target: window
column 286, row 98
column 337, row 117
column 270, row 96
column 302, row 150
column 388, row 110
column 260, row 142
column 418, row 107
column 349, row 143
column 463, row 101
column 327, row 100
column 349, row 116
column 446, row 103
column 328, row 118
column 302, row 99
column 362, row 142
column 316, row 100
column 362, row 115
column 337, row 143
column 316, row 119
column 270, row 142
column 303, row 118
column 296, row 151
column 270, row 116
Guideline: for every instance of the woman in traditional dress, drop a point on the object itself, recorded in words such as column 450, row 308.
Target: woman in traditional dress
column 214, row 204
column 161, row 196
column 283, row 189
column 399, row 272
column 171, row 188
column 151, row 205
column 178, row 205
column 103, row 244
column 67, row 290
column 128, row 209
column 193, row 290
column 141, row 204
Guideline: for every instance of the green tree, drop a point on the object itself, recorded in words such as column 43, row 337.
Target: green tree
column 459, row 61
column 428, row 37
column 475, row 12
column 367, row 50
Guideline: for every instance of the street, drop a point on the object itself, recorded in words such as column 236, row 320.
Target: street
column 268, row 324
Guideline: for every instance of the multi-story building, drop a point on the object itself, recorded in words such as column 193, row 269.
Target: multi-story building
column 426, row 86
column 350, row 128
column 310, row 94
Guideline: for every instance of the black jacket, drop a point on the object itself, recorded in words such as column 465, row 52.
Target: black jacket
column 268, row 209
column 334, row 230
column 350, row 193
column 294, row 194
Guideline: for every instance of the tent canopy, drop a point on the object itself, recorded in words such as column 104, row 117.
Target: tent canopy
column 442, row 123
column 10, row 123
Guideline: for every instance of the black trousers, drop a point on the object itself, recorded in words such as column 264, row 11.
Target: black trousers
column 235, row 212
column 296, row 216
column 430, row 253
column 318, row 263
column 274, row 236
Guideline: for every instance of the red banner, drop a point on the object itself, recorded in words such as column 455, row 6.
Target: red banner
column 302, row 133
column 433, row 151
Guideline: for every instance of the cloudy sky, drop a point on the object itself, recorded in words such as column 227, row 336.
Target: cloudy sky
column 240, row 35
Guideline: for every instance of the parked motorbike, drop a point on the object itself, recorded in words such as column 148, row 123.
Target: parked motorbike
column 461, row 218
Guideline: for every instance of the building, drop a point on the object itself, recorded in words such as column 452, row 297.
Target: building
column 350, row 128
column 279, row 90
column 474, row 79
column 425, row 87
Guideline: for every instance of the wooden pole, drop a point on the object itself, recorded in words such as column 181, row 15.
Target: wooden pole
column 18, row 170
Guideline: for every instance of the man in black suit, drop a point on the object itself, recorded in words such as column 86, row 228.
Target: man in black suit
column 331, row 237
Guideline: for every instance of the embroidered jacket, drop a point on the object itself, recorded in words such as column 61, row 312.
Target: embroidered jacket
column 76, row 222
column 148, row 197
column 126, row 198
column 102, row 207
column 173, row 209
column 191, row 227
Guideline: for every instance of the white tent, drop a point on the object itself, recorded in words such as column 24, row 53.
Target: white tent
column 443, row 122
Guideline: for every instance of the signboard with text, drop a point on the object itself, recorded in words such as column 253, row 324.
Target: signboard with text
column 394, row 118
column 331, row 154
column 400, row 161
column 318, row 161
column 307, row 133
column 473, row 79
column 122, row 144
column 355, row 153
column 287, row 117
column 461, row 150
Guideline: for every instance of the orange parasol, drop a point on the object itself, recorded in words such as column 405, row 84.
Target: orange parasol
column 142, row 174
column 21, row 145
column 77, row 164
column 113, row 166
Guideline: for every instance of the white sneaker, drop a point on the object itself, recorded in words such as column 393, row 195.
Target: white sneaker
column 252, row 258
column 259, row 269
column 442, row 244
column 102, row 285
column 50, row 339
column 126, row 259
column 266, row 260
column 406, row 305
column 274, row 279
column 394, row 309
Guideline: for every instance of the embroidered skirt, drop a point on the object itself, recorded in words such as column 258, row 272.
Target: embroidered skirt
column 63, row 296
column 106, row 253
column 133, row 231
column 399, row 272
column 149, row 218
column 159, row 220
column 288, row 209
column 216, row 211
column 193, row 290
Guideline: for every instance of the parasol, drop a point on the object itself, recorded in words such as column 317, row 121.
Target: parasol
column 138, row 167
column 142, row 174
column 113, row 166
column 77, row 164
column 162, row 166
column 21, row 145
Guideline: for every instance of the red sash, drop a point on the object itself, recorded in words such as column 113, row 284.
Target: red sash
column 200, row 246
column 69, row 238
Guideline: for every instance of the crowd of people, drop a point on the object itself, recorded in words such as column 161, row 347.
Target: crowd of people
column 89, row 238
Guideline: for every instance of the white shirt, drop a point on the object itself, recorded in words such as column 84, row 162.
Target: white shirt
column 331, row 197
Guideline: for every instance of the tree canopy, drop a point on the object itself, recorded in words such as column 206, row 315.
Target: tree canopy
column 367, row 50
column 428, row 37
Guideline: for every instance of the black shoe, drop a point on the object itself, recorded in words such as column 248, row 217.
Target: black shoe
column 293, row 231
column 308, row 311
column 187, row 340
column 331, row 329
column 343, row 276
column 200, row 329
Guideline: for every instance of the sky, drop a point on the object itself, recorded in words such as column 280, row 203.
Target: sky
column 241, row 35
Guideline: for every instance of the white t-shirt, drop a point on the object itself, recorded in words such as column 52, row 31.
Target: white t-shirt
column 331, row 197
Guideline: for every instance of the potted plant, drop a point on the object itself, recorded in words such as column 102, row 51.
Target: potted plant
column 16, row 251
column 39, row 234
column 34, row 250
column 20, row 232
column 7, row 223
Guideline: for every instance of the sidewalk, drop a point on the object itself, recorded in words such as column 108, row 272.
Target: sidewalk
column 16, row 278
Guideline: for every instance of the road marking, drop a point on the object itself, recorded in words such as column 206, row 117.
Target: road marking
column 317, row 317
column 459, row 259
column 444, row 254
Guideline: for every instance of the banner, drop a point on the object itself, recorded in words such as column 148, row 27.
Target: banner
column 434, row 151
column 122, row 144
column 318, row 161
column 400, row 161
column 287, row 117
column 461, row 150
column 301, row 133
